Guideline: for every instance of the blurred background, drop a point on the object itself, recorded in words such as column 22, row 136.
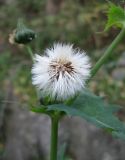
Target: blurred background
column 24, row 135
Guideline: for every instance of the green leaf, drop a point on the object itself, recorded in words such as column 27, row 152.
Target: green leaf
column 119, row 135
column 95, row 110
column 116, row 16
column 40, row 109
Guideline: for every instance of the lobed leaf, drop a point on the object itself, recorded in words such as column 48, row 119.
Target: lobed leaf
column 95, row 110
column 116, row 16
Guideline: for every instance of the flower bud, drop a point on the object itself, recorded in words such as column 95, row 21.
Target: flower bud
column 22, row 34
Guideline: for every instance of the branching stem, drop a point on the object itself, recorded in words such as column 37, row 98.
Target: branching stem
column 108, row 53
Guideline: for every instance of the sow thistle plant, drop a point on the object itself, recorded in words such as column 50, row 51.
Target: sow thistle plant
column 60, row 76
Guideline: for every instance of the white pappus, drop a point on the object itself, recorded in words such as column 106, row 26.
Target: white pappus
column 61, row 72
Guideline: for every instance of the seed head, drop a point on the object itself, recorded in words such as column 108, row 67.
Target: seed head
column 61, row 73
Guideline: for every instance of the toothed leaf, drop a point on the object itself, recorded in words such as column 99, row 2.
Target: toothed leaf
column 116, row 16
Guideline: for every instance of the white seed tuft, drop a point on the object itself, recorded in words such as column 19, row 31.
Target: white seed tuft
column 61, row 73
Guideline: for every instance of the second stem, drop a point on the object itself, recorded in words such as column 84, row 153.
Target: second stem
column 108, row 52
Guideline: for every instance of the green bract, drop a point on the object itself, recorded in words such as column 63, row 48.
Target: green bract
column 116, row 17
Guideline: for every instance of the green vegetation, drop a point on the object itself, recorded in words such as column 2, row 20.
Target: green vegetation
column 78, row 22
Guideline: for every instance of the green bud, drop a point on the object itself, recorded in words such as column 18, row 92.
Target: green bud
column 22, row 34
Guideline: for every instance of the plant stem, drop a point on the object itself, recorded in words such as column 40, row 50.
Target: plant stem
column 54, row 137
column 108, row 52
column 30, row 52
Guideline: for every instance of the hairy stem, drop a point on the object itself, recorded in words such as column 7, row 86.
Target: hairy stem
column 108, row 52
column 54, row 137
